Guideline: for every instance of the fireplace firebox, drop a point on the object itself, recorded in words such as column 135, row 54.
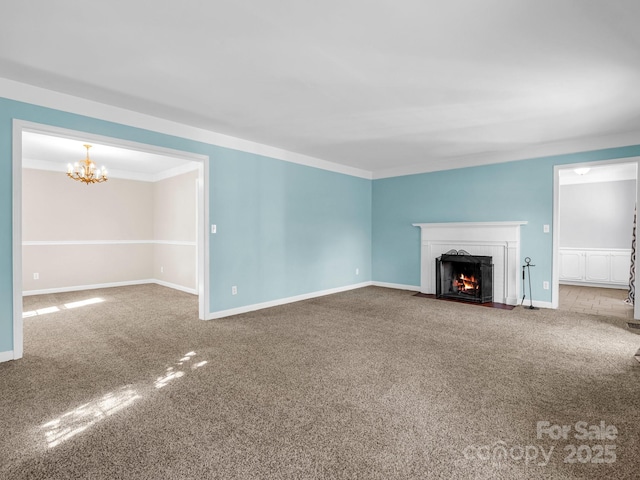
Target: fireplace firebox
column 462, row 276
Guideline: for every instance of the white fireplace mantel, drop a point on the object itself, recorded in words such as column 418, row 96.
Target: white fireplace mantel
column 500, row 240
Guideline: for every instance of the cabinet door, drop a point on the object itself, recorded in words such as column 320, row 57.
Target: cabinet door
column 597, row 266
column 620, row 266
column 571, row 265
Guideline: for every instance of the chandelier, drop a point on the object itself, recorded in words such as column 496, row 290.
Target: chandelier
column 86, row 171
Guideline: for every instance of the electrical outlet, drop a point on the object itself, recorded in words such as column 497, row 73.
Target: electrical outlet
column 214, row 228
column 357, row 271
column 234, row 290
column 161, row 269
column 545, row 285
column 36, row 276
column 545, row 228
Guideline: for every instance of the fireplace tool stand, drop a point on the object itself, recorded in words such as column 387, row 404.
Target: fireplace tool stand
column 524, row 294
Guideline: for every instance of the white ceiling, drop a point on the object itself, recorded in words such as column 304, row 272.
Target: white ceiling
column 47, row 152
column 598, row 173
column 383, row 86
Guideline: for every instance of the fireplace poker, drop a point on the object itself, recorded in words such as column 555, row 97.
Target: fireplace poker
column 528, row 267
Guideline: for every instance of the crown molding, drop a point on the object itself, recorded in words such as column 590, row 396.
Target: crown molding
column 23, row 92
column 536, row 151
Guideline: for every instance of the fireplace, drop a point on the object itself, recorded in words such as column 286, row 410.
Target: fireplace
column 463, row 276
column 498, row 240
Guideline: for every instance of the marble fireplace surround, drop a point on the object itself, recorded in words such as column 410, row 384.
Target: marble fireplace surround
column 500, row 240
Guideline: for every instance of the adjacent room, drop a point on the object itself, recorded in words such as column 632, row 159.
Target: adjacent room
column 597, row 229
column 371, row 240
column 140, row 227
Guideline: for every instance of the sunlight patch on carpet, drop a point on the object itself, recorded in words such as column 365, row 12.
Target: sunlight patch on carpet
column 175, row 372
column 79, row 419
column 199, row 364
column 82, row 303
column 67, row 306
column 40, row 311
column 167, row 377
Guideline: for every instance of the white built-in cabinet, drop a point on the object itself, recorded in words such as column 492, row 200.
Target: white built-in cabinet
column 595, row 266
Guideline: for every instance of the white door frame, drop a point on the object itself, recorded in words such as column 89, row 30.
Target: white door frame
column 555, row 292
column 202, row 239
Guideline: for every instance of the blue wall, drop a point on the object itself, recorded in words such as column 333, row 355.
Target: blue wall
column 283, row 229
column 519, row 190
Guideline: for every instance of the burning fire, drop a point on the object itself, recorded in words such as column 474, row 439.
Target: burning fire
column 466, row 284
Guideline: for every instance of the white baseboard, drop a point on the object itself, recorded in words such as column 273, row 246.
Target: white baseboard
column 77, row 288
column 175, row 286
column 397, row 286
column 283, row 301
column 537, row 303
column 618, row 286
column 6, row 356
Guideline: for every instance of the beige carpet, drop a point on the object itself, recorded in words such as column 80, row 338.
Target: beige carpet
column 368, row 384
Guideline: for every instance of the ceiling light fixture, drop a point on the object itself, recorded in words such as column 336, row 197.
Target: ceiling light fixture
column 86, row 171
column 582, row 171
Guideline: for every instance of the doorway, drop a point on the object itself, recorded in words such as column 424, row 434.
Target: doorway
column 176, row 163
column 592, row 237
